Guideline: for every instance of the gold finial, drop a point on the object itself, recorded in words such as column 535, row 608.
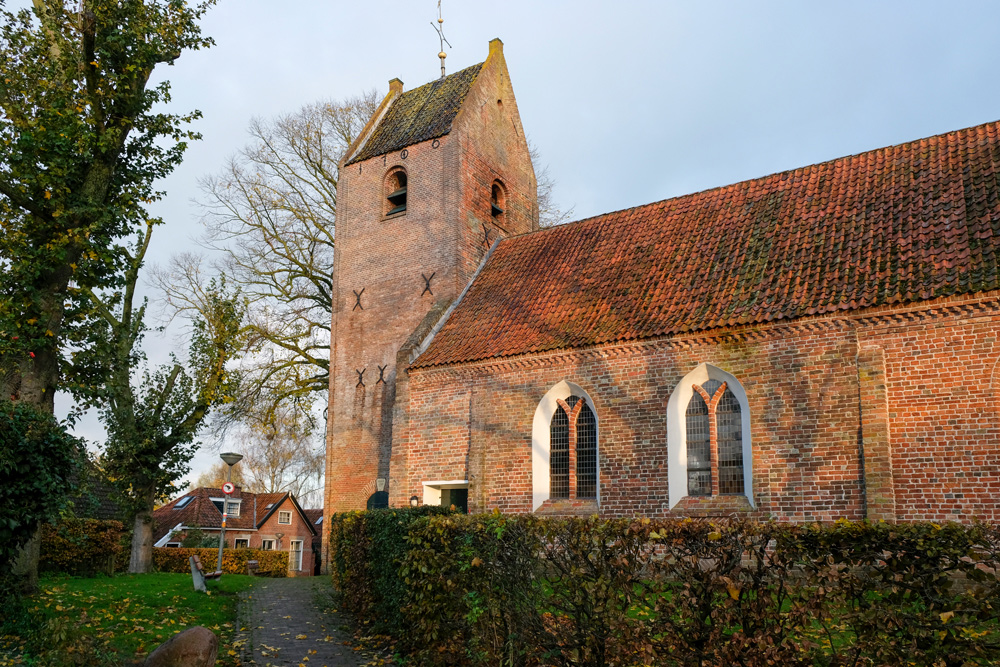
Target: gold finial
column 444, row 40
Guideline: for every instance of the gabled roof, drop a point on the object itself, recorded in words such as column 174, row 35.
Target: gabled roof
column 201, row 512
column 420, row 114
column 895, row 225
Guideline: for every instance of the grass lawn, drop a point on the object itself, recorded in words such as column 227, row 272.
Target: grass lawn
column 116, row 621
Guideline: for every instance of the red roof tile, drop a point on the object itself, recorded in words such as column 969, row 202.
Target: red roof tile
column 895, row 225
column 201, row 512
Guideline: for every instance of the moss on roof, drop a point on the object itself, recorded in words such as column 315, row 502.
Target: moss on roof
column 420, row 114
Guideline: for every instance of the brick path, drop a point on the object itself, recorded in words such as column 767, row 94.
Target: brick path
column 290, row 622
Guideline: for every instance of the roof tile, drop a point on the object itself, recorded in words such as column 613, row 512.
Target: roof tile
column 899, row 224
column 420, row 114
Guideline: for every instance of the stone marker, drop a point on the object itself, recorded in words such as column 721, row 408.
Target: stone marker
column 195, row 647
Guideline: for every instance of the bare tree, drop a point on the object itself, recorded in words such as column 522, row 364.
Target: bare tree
column 549, row 213
column 271, row 214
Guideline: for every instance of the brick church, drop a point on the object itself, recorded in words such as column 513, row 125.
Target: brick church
column 810, row 345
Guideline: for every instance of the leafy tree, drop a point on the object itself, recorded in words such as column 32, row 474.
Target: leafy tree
column 37, row 459
column 152, row 426
column 80, row 148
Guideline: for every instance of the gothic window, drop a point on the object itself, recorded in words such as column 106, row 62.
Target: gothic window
column 699, row 451
column 708, row 437
column 586, row 453
column 395, row 192
column 498, row 202
column 565, row 444
column 583, row 422
column 559, row 455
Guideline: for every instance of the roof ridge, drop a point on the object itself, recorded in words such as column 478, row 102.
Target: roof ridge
column 755, row 179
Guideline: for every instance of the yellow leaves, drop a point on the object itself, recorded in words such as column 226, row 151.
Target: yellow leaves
column 33, row 320
column 734, row 591
column 48, row 194
column 947, row 616
column 301, row 637
column 48, row 332
column 477, row 561
column 715, row 535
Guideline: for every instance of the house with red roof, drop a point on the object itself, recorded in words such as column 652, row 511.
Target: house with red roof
column 269, row 521
column 816, row 344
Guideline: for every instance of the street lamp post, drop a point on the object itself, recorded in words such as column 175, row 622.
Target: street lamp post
column 230, row 459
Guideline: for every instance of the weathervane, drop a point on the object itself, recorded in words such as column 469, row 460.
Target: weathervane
column 444, row 40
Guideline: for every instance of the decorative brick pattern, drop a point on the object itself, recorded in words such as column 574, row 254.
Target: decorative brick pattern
column 811, row 395
column 413, row 265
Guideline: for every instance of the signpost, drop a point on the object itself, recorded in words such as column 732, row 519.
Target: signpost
column 230, row 459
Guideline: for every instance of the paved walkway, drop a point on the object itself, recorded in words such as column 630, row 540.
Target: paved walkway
column 293, row 622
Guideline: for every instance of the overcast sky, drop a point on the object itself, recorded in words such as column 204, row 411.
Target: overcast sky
column 628, row 102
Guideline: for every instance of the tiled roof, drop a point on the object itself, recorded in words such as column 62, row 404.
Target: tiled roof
column 200, row 512
column 895, row 225
column 313, row 515
column 420, row 114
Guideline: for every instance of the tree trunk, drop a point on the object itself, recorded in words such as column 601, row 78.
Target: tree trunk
column 141, row 559
column 25, row 568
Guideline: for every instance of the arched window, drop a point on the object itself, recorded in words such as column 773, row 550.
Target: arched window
column 565, row 462
column 708, row 435
column 498, row 202
column 395, row 192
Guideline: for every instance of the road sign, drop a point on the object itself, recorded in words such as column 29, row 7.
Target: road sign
column 228, row 488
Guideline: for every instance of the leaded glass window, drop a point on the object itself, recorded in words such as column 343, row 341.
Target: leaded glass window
column 699, row 451
column 586, row 453
column 729, row 430
column 559, row 454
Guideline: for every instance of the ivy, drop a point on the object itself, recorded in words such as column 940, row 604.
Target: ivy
column 37, row 459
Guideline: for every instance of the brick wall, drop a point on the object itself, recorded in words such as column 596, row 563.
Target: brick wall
column 442, row 233
column 931, row 447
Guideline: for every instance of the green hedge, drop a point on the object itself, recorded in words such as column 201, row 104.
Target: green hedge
column 234, row 561
column 506, row 590
column 84, row 547
column 366, row 550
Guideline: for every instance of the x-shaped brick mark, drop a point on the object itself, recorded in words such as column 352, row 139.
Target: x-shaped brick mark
column 361, row 377
column 427, row 283
column 357, row 299
column 381, row 374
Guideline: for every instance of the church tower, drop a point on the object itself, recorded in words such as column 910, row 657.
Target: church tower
column 438, row 174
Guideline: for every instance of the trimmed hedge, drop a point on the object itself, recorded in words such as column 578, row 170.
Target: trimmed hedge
column 366, row 551
column 522, row 590
column 234, row 561
column 83, row 547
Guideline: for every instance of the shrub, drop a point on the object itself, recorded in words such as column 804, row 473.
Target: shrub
column 366, row 549
column 234, row 561
column 522, row 590
column 82, row 546
column 37, row 458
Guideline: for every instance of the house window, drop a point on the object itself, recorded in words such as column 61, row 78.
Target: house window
column 284, row 517
column 267, row 545
column 174, row 545
column 498, row 202
column 708, row 436
column 565, row 460
column 395, row 192
column 295, row 555
column 242, row 543
column 234, row 508
column 183, row 502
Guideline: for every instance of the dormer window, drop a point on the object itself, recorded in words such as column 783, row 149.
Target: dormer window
column 498, row 202
column 183, row 502
column 395, row 192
